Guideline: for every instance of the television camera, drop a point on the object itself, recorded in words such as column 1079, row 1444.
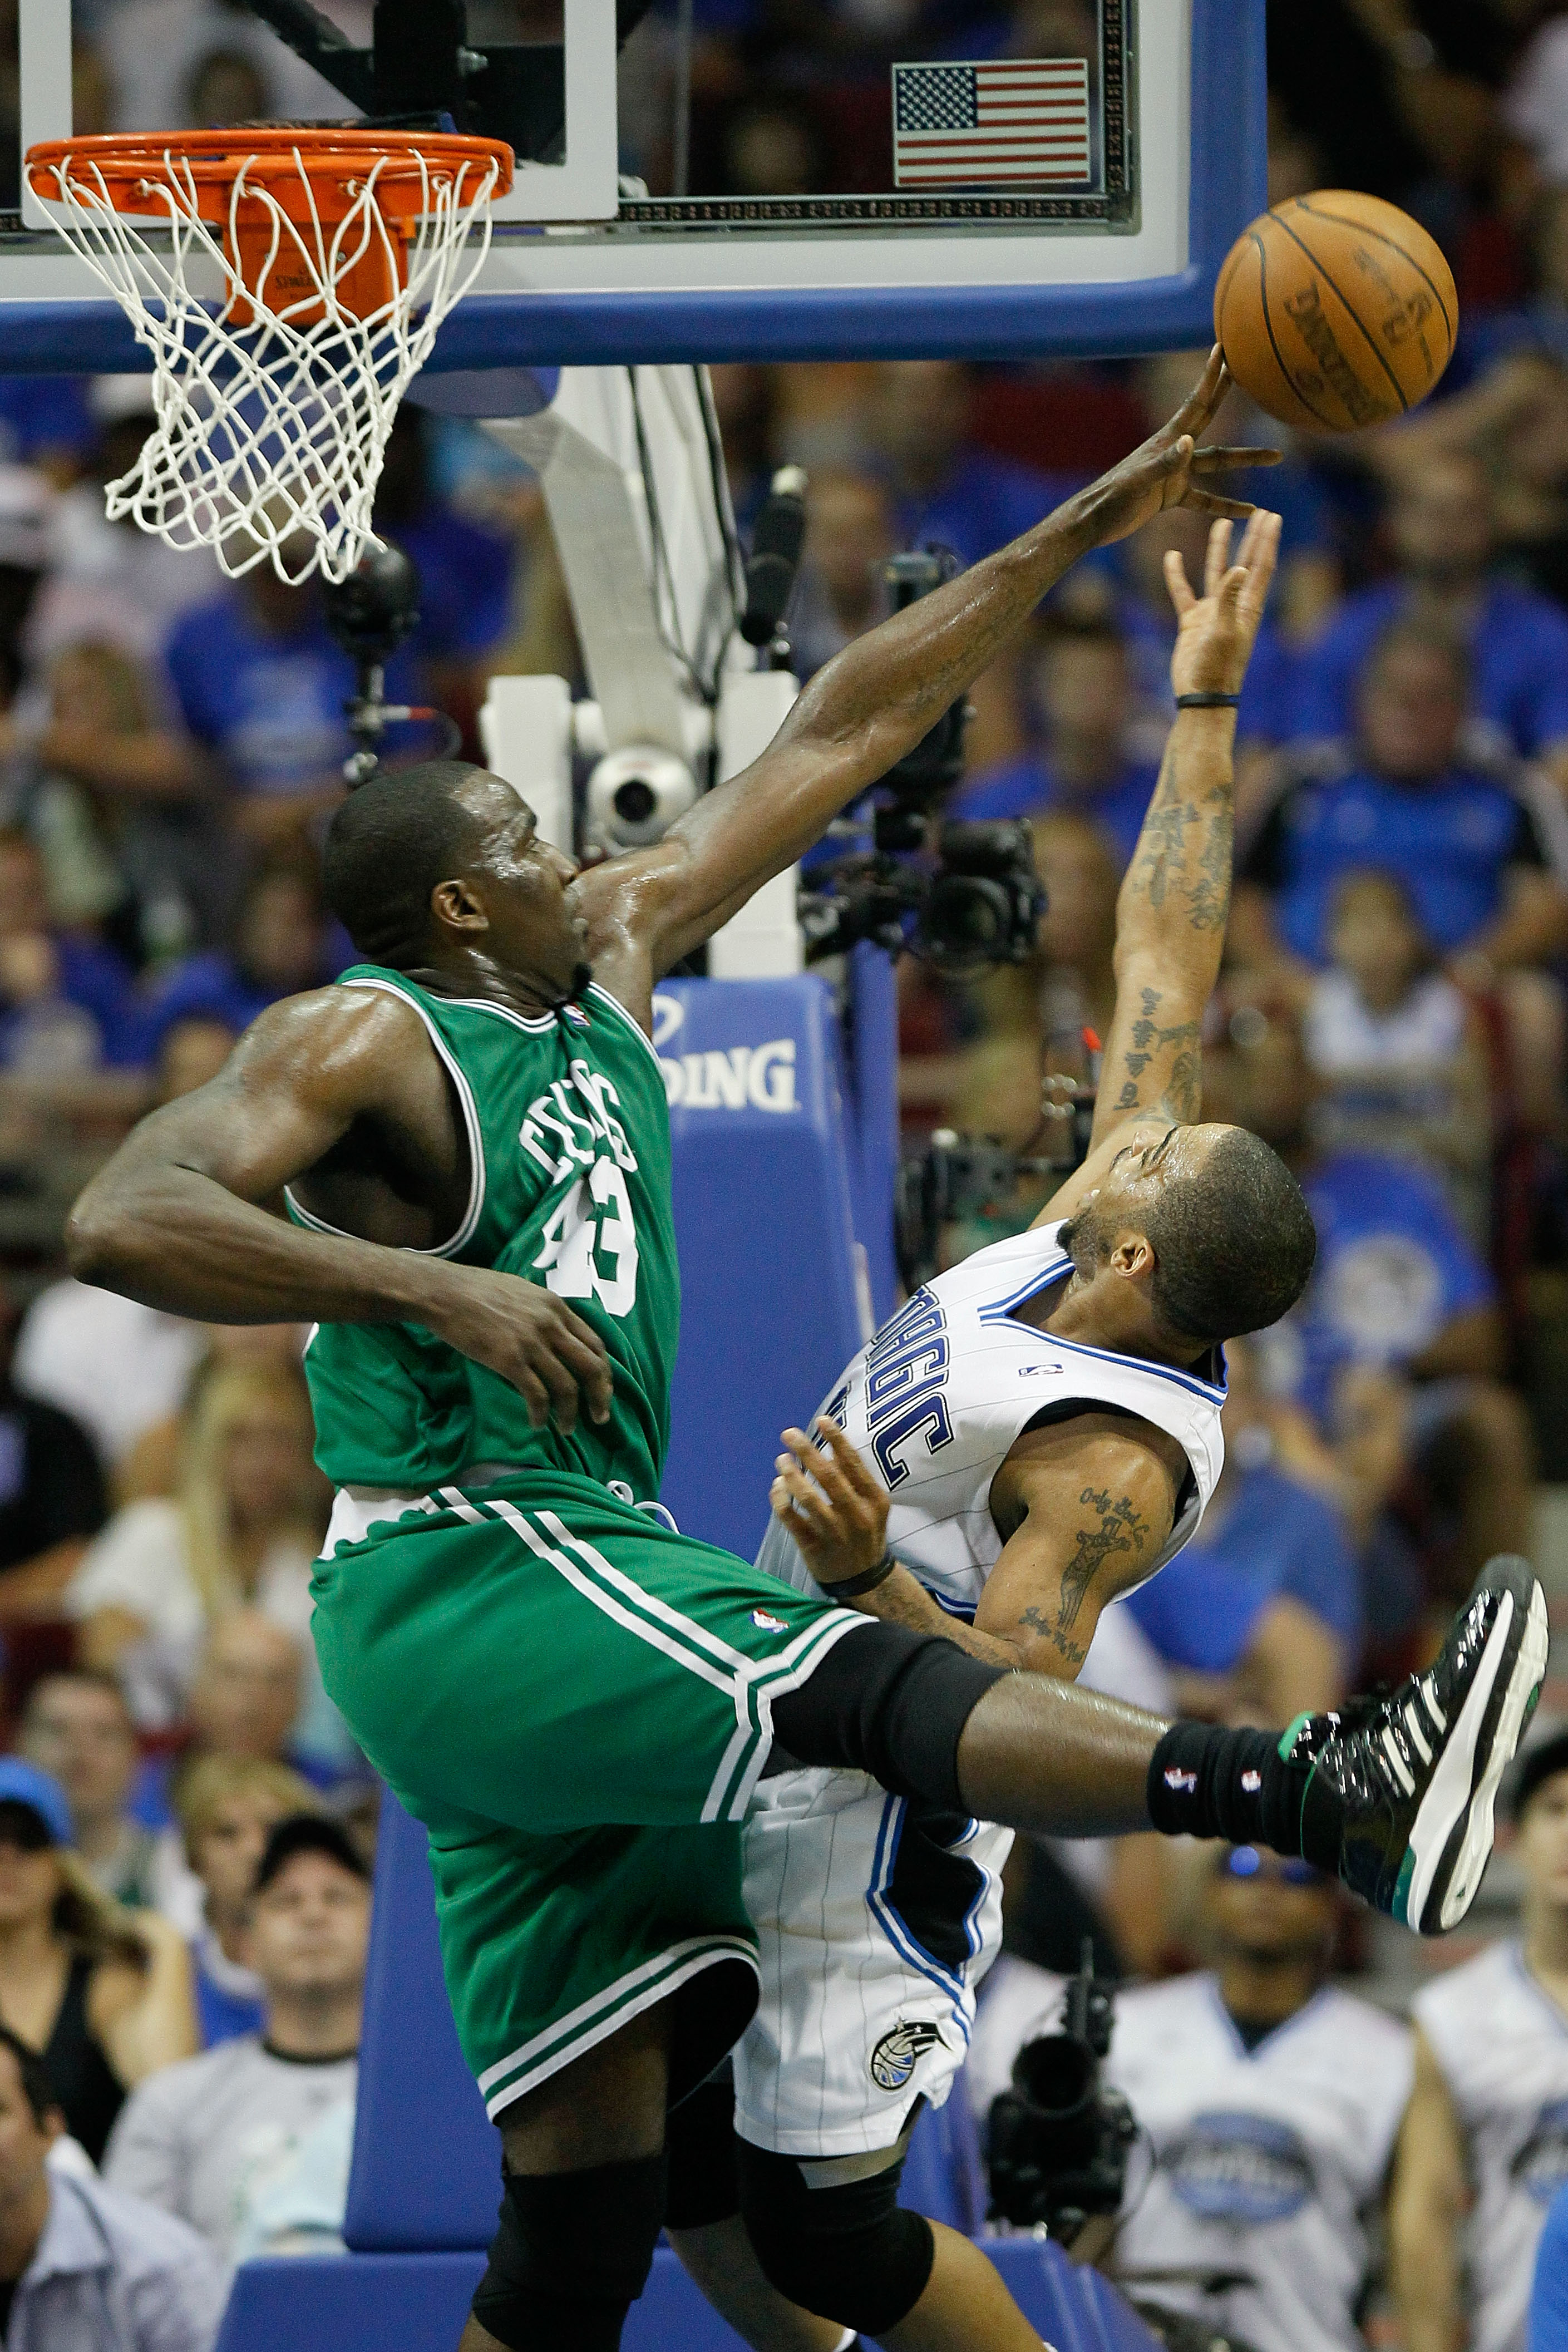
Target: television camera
column 961, row 896
column 1060, row 2134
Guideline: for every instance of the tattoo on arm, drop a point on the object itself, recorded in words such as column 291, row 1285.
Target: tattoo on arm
column 1121, row 1528
column 1184, row 848
column 1182, row 1090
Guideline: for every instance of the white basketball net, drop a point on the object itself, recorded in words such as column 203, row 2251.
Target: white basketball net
column 269, row 437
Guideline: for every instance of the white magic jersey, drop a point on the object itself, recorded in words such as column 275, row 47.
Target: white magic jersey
column 1266, row 2164
column 936, row 1401
column 876, row 1918
column 1502, row 2046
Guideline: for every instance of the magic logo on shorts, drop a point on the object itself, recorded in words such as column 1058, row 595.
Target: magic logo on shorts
column 897, row 2054
column 1238, row 2168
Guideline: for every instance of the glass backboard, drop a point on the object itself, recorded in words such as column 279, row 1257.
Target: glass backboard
column 1058, row 179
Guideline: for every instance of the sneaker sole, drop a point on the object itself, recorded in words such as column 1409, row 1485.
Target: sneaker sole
column 1451, row 1837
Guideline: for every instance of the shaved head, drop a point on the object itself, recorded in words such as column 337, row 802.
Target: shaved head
column 388, row 846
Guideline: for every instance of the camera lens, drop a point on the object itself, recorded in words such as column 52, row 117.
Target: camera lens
column 634, row 801
column 967, row 922
column 1057, row 2075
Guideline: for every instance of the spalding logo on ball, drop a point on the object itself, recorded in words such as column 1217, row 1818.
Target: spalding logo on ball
column 1335, row 311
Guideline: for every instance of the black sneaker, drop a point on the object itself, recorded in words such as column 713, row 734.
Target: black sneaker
column 1402, row 1789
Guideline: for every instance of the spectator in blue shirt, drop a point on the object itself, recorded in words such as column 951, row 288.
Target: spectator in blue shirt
column 83, row 2266
column 1474, row 851
column 1398, row 1291
column 1260, row 1617
column 68, row 1010
column 1442, row 524
column 283, row 942
column 948, row 492
column 262, row 688
column 1082, row 684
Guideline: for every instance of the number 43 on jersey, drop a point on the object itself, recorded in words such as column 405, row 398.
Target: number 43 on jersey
column 591, row 1243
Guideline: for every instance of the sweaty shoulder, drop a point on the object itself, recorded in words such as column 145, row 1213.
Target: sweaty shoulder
column 1067, row 1430
column 335, row 1036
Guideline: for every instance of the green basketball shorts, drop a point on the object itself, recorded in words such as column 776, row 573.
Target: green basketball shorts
column 576, row 1702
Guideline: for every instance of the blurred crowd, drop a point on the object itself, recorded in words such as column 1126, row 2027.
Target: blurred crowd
column 185, row 1827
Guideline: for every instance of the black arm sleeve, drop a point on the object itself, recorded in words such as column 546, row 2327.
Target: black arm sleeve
column 892, row 1702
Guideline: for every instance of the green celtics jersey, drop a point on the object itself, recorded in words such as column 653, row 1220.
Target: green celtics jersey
column 568, row 1139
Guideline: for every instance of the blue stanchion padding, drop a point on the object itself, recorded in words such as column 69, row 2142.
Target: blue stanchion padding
column 365, row 2303
column 943, row 2177
column 764, row 1213
column 427, row 2157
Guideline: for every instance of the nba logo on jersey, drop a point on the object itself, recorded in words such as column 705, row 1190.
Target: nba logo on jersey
column 574, row 1012
column 768, row 1624
column 897, row 2054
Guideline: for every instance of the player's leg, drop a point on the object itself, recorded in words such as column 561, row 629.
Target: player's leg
column 1395, row 1797
column 702, row 2216
column 876, row 1919
column 964, row 2307
column 718, row 2256
column 583, row 2198
column 827, row 2235
column 572, row 1711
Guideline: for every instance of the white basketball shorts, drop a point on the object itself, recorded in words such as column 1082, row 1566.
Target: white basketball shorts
column 877, row 1919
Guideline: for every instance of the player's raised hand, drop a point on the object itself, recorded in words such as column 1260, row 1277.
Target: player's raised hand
column 834, row 1506
column 1215, row 632
column 1169, row 470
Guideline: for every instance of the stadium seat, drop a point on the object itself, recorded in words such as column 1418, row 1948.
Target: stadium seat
column 364, row 2303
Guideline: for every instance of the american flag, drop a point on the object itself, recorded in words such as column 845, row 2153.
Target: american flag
column 1013, row 122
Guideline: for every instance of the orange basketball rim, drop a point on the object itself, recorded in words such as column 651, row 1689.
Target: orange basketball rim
column 296, row 208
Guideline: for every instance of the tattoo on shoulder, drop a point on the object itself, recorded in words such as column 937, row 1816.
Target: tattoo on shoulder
column 1181, row 1094
column 1119, row 1528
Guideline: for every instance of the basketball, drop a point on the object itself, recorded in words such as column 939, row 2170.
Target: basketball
column 1335, row 311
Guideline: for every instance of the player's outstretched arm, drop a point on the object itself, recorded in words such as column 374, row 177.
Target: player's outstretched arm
column 1088, row 1514
column 876, row 699
column 1175, row 901
column 184, row 1216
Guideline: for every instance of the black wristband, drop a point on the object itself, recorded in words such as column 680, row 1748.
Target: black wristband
column 1207, row 701
column 852, row 1587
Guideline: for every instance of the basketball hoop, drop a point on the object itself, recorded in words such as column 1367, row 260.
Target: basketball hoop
column 334, row 255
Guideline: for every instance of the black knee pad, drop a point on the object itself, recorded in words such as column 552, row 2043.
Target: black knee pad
column 571, row 2255
column 700, row 2150
column 849, row 2254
